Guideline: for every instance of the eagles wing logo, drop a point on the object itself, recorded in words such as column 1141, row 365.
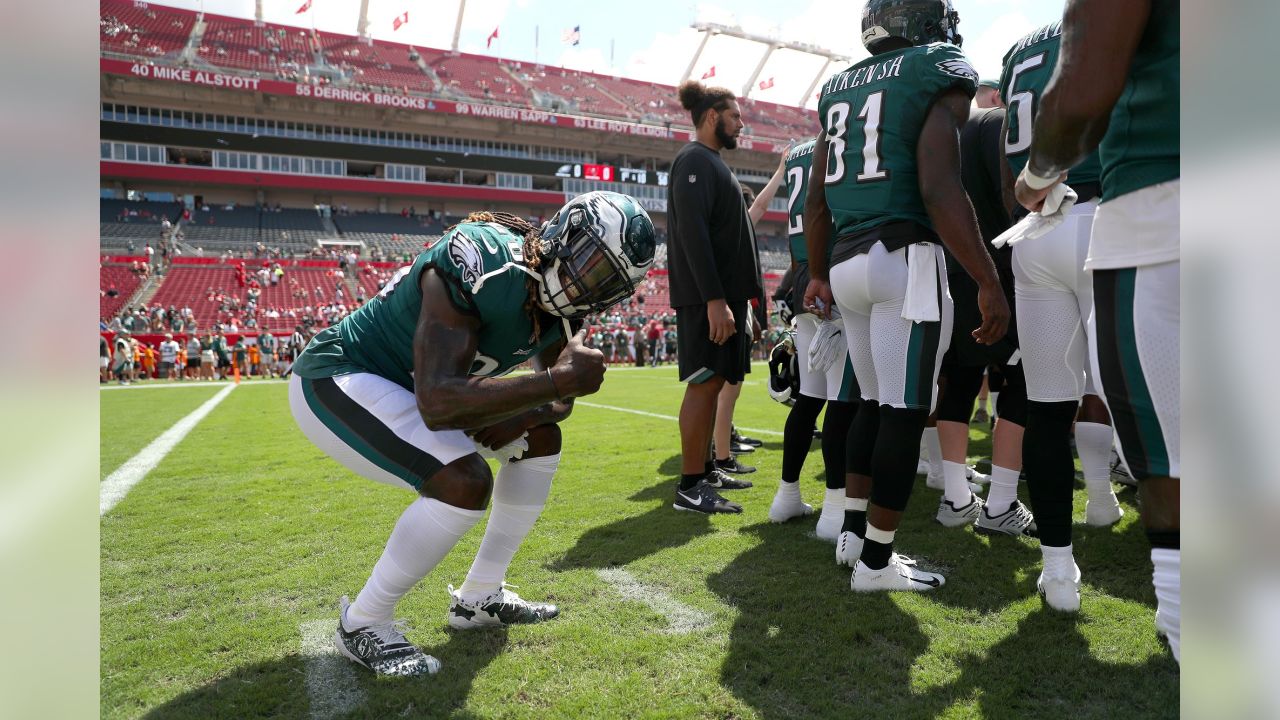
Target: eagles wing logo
column 466, row 257
column 958, row 67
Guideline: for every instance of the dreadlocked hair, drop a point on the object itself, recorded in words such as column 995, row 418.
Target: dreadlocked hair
column 531, row 251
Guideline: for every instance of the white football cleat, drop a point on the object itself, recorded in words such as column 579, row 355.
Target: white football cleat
column 848, row 548
column 787, row 504
column 923, row 467
column 897, row 575
column 1103, row 513
column 951, row 516
column 974, row 477
column 1061, row 593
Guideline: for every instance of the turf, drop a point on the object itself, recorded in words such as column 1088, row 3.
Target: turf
column 246, row 531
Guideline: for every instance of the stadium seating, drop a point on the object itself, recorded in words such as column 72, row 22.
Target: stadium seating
column 231, row 42
column 148, row 31
column 578, row 89
column 137, row 211
column 120, row 277
column 380, row 64
column 478, row 77
column 387, row 223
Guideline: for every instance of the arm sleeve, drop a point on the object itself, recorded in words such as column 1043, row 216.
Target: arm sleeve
column 693, row 194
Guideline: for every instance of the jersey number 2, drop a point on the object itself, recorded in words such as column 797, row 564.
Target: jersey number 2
column 795, row 179
column 871, row 114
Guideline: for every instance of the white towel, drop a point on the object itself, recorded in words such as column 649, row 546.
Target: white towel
column 921, row 302
column 827, row 344
column 1057, row 204
column 513, row 451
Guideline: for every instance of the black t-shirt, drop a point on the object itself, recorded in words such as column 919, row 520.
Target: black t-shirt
column 981, row 156
column 711, row 245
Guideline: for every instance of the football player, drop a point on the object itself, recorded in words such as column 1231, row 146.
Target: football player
column 1116, row 89
column 1054, row 298
column 836, row 387
column 885, row 192
column 407, row 391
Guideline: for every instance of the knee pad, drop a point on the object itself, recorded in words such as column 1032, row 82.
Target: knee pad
column 861, row 441
column 897, row 450
column 1012, row 403
column 962, row 386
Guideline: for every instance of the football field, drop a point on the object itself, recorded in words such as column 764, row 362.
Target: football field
column 222, row 567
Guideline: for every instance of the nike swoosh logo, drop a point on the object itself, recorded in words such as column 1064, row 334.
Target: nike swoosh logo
column 696, row 500
column 931, row 582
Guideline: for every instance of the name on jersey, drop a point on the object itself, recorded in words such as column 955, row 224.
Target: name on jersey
column 801, row 150
column 875, row 72
column 1048, row 32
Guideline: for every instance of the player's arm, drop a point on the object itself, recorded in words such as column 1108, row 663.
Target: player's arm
column 1007, row 197
column 504, row 433
column 938, row 153
column 1099, row 38
column 765, row 197
column 449, row 398
column 817, row 232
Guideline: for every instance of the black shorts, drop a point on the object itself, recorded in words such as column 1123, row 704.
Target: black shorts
column 699, row 358
column 193, row 362
column 964, row 350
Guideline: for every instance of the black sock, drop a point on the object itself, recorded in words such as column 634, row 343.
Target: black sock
column 708, row 467
column 876, row 555
column 688, row 481
column 835, row 436
column 1046, row 458
column 855, row 521
column 797, row 436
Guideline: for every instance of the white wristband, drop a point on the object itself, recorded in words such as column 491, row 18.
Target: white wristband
column 1037, row 182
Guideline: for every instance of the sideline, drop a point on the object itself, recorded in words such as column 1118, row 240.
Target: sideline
column 121, row 481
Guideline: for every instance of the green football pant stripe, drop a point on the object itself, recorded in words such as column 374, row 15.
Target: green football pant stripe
column 922, row 357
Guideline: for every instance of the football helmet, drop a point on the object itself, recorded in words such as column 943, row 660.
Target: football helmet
column 784, row 372
column 595, row 251
column 918, row 22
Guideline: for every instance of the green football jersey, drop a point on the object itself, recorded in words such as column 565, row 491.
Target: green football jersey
column 1141, row 145
column 1027, row 68
column 478, row 262
column 798, row 162
column 873, row 114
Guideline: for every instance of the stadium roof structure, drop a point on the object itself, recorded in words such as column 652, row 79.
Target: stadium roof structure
column 709, row 30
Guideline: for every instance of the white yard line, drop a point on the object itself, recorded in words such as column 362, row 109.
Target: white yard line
column 757, row 431
column 680, row 618
column 331, row 678
column 119, row 483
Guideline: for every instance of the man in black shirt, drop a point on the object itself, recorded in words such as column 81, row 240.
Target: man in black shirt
column 714, row 272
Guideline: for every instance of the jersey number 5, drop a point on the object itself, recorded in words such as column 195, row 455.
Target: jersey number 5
column 1021, row 106
column 871, row 114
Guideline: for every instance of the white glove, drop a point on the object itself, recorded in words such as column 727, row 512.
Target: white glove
column 512, row 451
column 1056, row 206
column 827, row 345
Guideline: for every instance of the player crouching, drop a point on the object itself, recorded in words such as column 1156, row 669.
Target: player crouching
column 407, row 391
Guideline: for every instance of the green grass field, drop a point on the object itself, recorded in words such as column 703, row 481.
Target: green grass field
column 246, row 534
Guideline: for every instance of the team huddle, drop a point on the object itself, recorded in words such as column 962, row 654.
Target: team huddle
column 919, row 261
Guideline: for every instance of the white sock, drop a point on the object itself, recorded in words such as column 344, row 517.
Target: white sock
column 1093, row 443
column 933, row 447
column 995, row 396
column 833, row 501
column 423, row 535
column 856, row 504
column 884, row 537
column 791, row 489
column 956, row 490
column 519, row 493
column 1167, row 579
column 1058, row 561
column 1004, row 490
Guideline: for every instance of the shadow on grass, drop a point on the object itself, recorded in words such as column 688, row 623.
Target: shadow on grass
column 1046, row 670
column 278, row 689
column 820, row 651
column 635, row 537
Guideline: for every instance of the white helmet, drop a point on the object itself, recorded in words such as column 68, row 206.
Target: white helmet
column 595, row 251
